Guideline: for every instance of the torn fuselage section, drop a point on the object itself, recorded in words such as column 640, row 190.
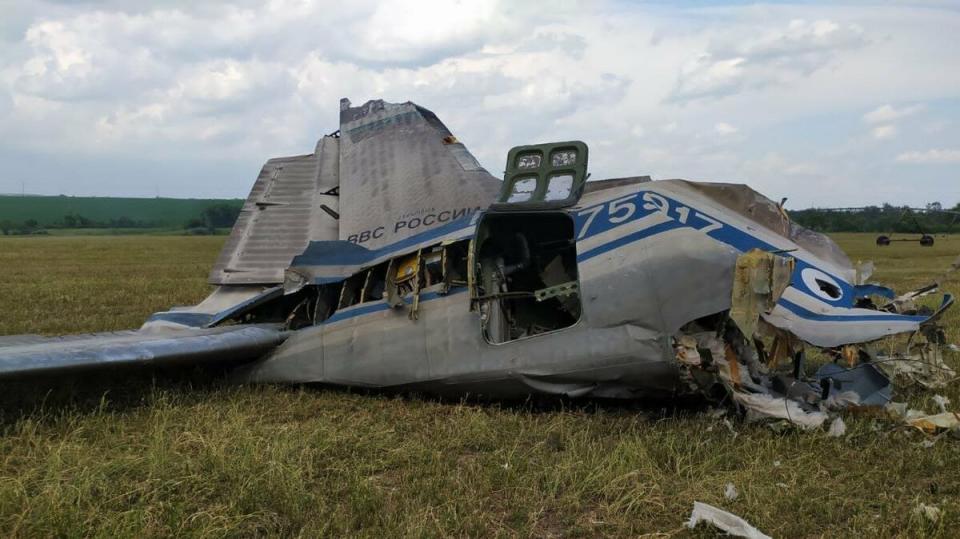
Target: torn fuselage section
column 785, row 312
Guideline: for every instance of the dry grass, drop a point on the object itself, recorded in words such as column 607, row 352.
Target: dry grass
column 158, row 455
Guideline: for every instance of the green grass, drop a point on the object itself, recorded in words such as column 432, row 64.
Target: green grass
column 157, row 454
column 50, row 210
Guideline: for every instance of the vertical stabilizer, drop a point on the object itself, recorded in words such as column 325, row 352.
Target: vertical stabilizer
column 402, row 172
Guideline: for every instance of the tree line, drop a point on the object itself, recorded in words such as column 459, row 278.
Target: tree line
column 886, row 218
column 211, row 218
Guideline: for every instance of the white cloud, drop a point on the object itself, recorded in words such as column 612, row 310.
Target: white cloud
column 776, row 56
column 733, row 93
column 933, row 156
column 723, row 128
column 887, row 113
column 884, row 132
column 414, row 31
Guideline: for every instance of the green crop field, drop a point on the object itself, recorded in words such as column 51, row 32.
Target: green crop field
column 157, row 212
column 159, row 454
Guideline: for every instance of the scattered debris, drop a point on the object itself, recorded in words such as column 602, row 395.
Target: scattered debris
column 922, row 363
column 930, row 512
column 936, row 422
column 929, row 423
column 729, row 425
column 728, row 522
column 762, row 405
column 730, row 492
column 941, row 402
column 755, row 355
column 838, row 428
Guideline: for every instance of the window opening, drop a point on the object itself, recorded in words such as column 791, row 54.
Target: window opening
column 376, row 283
column 352, row 290
column 526, row 277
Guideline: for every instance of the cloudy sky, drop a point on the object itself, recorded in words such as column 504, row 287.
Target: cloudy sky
column 826, row 103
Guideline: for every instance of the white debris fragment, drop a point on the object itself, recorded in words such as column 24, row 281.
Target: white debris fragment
column 729, row 426
column 776, row 464
column 941, row 402
column 728, row 522
column 927, row 444
column 953, row 348
column 842, row 400
column 730, row 492
column 716, row 412
column 838, row 428
column 931, row 512
column 762, row 405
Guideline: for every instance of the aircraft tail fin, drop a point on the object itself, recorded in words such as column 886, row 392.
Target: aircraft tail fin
column 294, row 201
column 403, row 172
column 392, row 170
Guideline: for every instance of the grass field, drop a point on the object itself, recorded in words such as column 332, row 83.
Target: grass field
column 158, row 455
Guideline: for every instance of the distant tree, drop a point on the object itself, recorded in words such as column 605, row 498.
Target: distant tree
column 6, row 226
column 196, row 222
column 220, row 215
column 123, row 222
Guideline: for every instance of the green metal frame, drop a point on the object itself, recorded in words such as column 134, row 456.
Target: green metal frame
column 543, row 173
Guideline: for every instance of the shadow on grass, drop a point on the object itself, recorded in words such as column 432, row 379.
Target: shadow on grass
column 117, row 390
column 124, row 390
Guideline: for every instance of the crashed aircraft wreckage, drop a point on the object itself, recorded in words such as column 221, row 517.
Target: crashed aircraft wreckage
column 389, row 257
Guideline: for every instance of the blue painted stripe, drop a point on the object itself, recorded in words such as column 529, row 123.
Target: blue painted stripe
column 345, row 253
column 819, row 317
column 864, row 290
column 627, row 239
column 695, row 219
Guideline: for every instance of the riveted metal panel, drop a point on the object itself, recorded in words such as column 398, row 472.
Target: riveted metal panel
column 293, row 202
column 403, row 172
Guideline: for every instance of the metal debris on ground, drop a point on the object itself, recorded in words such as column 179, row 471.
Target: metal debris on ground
column 930, row 512
column 837, row 428
column 725, row 521
column 757, row 354
column 928, row 423
column 941, row 402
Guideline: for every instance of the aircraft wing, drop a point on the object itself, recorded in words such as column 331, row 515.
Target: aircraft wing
column 31, row 354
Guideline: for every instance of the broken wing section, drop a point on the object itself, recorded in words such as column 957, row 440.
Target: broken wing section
column 294, row 201
column 402, row 173
column 30, row 355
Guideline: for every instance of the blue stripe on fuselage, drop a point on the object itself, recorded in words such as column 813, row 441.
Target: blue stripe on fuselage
column 807, row 314
column 692, row 218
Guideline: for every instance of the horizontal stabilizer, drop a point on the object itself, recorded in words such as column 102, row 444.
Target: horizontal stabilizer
column 28, row 354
